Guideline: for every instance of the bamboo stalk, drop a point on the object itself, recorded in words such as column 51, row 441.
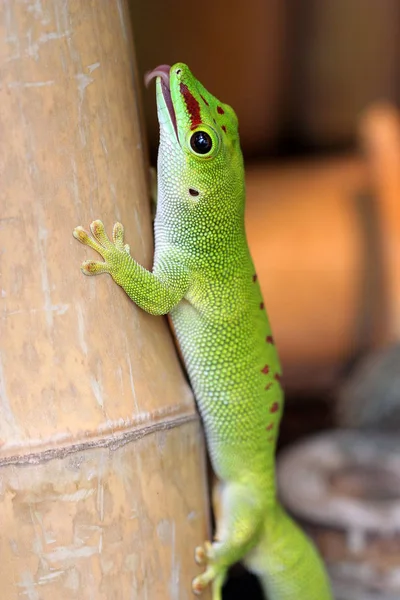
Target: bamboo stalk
column 109, row 492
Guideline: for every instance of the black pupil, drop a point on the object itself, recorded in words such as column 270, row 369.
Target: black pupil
column 201, row 142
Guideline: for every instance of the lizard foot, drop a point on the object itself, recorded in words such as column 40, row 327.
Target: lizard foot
column 214, row 573
column 113, row 252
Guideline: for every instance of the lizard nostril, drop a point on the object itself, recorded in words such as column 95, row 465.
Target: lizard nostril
column 193, row 192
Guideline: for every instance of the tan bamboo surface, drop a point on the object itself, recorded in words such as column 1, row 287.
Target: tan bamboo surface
column 102, row 478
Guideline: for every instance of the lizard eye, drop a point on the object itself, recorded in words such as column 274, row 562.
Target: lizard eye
column 201, row 142
column 204, row 142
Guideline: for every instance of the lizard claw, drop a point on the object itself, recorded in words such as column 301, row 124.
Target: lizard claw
column 211, row 575
column 203, row 553
column 200, row 555
column 200, row 582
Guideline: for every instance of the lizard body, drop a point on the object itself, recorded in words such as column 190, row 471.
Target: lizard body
column 203, row 275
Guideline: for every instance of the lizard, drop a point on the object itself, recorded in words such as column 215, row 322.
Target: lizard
column 203, row 276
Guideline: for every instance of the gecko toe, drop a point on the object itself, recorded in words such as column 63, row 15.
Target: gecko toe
column 92, row 267
column 81, row 234
column 200, row 555
column 118, row 235
column 99, row 233
column 84, row 237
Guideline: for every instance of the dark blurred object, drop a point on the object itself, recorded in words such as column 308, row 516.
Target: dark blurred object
column 235, row 48
column 305, row 414
column 242, row 584
column 370, row 397
column 344, row 487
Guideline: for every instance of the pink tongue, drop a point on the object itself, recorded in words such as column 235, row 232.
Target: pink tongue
column 161, row 71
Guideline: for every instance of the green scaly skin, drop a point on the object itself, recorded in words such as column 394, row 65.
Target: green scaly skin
column 203, row 275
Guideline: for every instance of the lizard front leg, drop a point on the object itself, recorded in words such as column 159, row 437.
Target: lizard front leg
column 155, row 292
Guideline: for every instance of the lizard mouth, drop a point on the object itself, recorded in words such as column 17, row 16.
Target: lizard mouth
column 163, row 72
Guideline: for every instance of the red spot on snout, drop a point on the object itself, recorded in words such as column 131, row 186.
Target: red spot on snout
column 269, row 339
column 268, row 386
column 223, row 128
column 192, row 106
column 270, row 426
column 274, row 408
column 265, row 370
column 220, row 110
column 255, row 277
column 278, row 377
column 262, row 305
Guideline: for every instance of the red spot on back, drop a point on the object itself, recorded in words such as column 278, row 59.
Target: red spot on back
column 269, row 339
column 192, row 106
column 265, row 370
column 223, row 128
column 270, row 426
column 268, row 386
column 220, row 110
column 255, row 277
column 204, row 100
column 262, row 305
column 274, row 408
column 278, row 377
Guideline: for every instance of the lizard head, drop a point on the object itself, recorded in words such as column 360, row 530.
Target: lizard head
column 199, row 154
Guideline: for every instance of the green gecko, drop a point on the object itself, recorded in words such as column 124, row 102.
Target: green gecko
column 203, row 275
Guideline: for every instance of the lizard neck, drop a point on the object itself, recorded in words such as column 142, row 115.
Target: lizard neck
column 209, row 249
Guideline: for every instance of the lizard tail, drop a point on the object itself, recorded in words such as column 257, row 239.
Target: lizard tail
column 287, row 563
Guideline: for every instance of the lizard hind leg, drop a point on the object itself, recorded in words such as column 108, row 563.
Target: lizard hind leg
column 239, row 525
